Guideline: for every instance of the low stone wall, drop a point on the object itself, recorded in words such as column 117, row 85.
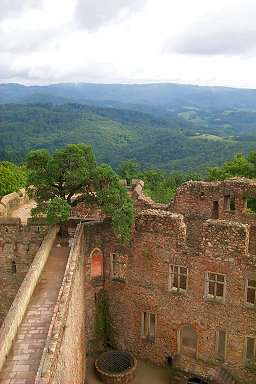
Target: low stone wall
column 16, row 313
column 11, row 201
column 63, row 359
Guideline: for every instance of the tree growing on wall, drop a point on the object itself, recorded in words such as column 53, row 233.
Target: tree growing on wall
column 71, row 176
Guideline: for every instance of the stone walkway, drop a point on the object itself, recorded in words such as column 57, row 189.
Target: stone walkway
column 23, row 361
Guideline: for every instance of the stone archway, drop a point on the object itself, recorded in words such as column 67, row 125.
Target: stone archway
column 187, row 341
column 96, row 263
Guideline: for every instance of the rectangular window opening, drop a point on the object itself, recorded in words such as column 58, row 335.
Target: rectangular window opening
column 250, row 356
column 148, row 326
column 251, row 205
column 118, row 266
column 215, row 286
column 251, row 293
column 221, row 345
column 13, row 266
column 229, row 203
column 178, row 278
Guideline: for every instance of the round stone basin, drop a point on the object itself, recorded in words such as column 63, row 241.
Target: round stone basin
column 116, row 367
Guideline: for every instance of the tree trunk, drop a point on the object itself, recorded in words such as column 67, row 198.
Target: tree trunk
column 63, row 232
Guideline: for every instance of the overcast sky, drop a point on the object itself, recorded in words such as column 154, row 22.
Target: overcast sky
column 205, row 42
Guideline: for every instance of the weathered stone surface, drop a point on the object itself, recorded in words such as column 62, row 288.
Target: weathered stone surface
column 199, row 232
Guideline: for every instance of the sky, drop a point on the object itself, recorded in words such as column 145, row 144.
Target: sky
column 204, row 42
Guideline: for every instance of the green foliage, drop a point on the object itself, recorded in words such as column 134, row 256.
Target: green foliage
column 239, row 166
column 147, row 254
column 161, row 186
column 12, row 178
column 70, row 176
column 114, row 201
column 58, row 210
column 104, row 325
column 128, row 169
column 156, row 136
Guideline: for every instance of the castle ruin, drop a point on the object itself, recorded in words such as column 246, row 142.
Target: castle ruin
column 183, row 288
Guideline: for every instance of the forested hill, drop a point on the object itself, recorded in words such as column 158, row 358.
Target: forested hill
column 116, row 135
column 166, row 95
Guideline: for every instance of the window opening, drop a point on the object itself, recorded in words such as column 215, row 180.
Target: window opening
column 178, row 278
column 220, row 344
column 96, row 263
column 250, row 357
column 13, row 267
column 251, row 205
column 215, row 210
column 118, row 266
column 229, row 203
column 148, row 325
column 251, row 293
column 215, row 286
column 187, row 341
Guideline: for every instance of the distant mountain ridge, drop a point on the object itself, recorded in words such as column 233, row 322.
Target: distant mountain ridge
column 162, row 95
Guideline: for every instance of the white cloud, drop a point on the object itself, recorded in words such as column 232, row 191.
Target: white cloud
column 92, row 14
column 230, row 30
column 13, row 8
column 199, row 41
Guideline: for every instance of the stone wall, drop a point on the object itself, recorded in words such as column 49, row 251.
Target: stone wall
column 188, row 238
column 11, row 201
column 17, row 250
column 63, row 358
column 93, row 287
column 179, row 283
column 19, row 305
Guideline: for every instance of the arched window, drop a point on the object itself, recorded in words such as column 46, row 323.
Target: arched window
column 187, row 341
column 96, row 263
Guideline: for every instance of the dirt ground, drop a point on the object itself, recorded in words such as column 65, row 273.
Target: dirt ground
column 146, row 374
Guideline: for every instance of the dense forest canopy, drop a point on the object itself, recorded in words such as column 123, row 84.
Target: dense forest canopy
column 188, row 141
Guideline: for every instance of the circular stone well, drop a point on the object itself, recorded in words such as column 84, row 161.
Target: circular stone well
column 116, row 367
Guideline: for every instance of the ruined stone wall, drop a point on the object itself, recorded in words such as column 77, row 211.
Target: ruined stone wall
column 63, row 358
column 224, row 250
column 225, row 200
column 18, row 248
column 93, row 287
column 159, row 241
column 16, row 313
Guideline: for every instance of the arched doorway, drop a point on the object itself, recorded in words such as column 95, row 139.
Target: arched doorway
column 187, row 341
column 96, row 263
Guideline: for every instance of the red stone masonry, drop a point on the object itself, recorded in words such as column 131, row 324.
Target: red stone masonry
column 185, row 291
